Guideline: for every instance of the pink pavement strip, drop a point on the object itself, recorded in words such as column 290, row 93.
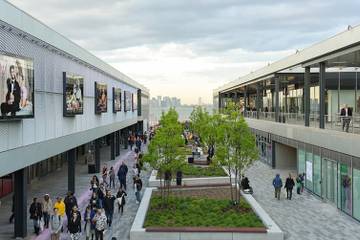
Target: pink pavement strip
column 83, row 199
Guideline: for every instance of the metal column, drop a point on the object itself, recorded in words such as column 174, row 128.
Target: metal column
column 245, row 101
column 112, row 146
column 20, row 203
column 307, row 96
column 258, row 100
column 322, row 94
column 71, row 159
column 97, row 155
column 277, row 108
column 117, row 143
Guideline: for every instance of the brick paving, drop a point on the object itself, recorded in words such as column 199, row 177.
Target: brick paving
column 305, row 216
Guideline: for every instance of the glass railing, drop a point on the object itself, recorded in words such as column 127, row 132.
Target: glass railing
column 333, row 121
column 342, row 123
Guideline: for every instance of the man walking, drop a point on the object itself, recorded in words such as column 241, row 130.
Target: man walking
column 109, row 207
column 123, row 170
column 289, row 184
column 277, row 183
column 70, row 201
column 346, row 115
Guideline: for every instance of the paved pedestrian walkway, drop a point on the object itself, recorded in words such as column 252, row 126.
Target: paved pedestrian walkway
column 305, row 216
column 55, row 184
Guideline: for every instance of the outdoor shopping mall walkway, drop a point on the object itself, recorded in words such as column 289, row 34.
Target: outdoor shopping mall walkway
column 55, row 184
column 305, row 216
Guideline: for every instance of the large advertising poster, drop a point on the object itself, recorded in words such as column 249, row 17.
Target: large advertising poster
column 16, row 87
column 135, row 101
column 127, row 101
column 116, row 100
column 100, row 98
column 73, row 94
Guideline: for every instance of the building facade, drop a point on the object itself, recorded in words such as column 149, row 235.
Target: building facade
column 57, row 102
column 305, row 113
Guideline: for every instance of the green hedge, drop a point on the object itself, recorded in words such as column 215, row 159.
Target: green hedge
column 196, row 212
column 209, row 171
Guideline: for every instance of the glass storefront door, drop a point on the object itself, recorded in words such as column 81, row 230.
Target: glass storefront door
column 317, row 174
column 329, row 180
column 345, row 188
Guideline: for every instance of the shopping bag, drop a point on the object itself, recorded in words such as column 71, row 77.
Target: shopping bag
column 41, row 225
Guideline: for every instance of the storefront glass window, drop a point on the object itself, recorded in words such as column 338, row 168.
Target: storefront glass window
column 301, row 161
column 317, row 174
column 309, row 171
column 345, row 188
column 356, row 192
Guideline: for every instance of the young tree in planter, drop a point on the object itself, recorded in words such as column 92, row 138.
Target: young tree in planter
column 236, row 146
column 163, row 151
column 204, row 125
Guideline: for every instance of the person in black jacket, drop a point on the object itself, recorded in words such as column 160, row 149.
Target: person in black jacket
column 35, row 215
column 123, row 170
column 70, row 201
column 13, row 95
column 346, row 115
column 289, row 184
column 74, row 226
column 120, row 196
column 109, row 201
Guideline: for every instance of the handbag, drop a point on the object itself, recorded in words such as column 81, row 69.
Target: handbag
column 120, row 200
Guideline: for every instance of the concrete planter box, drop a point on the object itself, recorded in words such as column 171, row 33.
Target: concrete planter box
column 188, row 182
column 138, row 232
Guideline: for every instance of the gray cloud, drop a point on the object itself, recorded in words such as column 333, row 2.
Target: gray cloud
column 210, row 25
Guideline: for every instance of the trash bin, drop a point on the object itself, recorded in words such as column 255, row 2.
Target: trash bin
column 191, row 159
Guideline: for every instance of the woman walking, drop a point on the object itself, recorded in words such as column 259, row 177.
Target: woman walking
column 55, row 225
column 47, row 207
column 120, row 198
column 88, row 228
column 35, row 215
column 100, row 224
column 112, row 177
column 74, row 226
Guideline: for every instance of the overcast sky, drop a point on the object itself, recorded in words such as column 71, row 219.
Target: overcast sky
column 186, row 48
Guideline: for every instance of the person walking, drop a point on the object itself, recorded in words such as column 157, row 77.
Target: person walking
column 100, row 224
column 346, row 115
column 277, row 183
column 138, row 144
column 123, row 170
column 94, row 201
column 138, row 187
column 74, row 226
column 88, row 216
column 302, row 177
column 289, row 184
column 60, row 206
column 70, row 201
column 55, row 225
column 298, row 184
column 112, row 177
column 35, row 215
column 120, row 198
column 135, row 173
column 105, row 174
column 109, row 207
column 47, row 208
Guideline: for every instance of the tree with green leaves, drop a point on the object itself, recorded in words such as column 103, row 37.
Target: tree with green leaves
column 205, row 126
column 164, row 154
column 236, row 148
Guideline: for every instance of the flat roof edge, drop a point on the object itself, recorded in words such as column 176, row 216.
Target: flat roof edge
column 338, row 42
column 23, row 21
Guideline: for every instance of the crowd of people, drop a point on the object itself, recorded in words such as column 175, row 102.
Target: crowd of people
column 289, row 185
column 64, row 216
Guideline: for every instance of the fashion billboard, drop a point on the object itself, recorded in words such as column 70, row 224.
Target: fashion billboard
column 127, row 101
column 100, row 98
column 116, row 100
column 16, row 87
column 134, row 101
column 73, row 94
